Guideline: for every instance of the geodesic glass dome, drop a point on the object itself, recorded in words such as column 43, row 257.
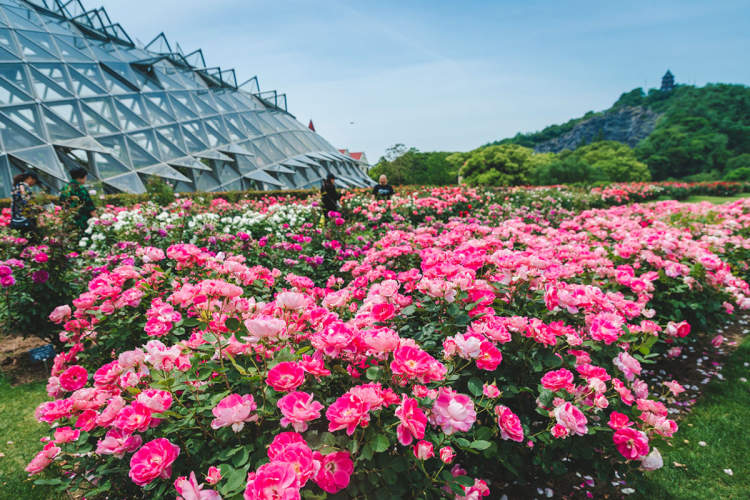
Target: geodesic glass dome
column 75, row 90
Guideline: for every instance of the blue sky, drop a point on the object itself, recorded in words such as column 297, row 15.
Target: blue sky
column 450, row 75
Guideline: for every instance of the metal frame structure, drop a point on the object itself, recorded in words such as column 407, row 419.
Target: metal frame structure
column 76, row 90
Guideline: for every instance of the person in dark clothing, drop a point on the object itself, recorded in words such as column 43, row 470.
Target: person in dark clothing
column 383, row 191
column 21, row 219
column 329, row 196
column 74, row 195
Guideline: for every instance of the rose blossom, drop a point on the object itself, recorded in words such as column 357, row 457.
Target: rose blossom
column 286, row 376
column 214, row 475
column 154, row 459
column 335, row 471
column 490, row 391
column 628, row 365
column 447, row 454
column 189, row 489
column 509, row 423
column 347, row 412
column 631, row 443
column 570, row 417
column 273, row 481
column 423, row 450
column 74, row 378
column 118, row 443
column 412, row 421
column 43, row 459
column 453, row 411
column 234, row 410
column 298, row 408
column 60, row 314
column 558, row 379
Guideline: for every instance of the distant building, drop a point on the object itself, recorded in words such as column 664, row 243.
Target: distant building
column 311, row 126
column 359, row 157
column 667, row 82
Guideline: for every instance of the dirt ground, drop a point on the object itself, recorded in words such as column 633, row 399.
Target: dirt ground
column 15, row 364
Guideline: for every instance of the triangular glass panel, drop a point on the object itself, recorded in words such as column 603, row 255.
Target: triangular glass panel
column 104, row 56
column 116, row 86
column 146, row 140
column 212, row 154
column 165, row 171
column 247, row 120
column 130, row 183
column 56, row 73
column 134, row 103
column 192, row 143
column 182, row 111
column 172, row 134
column 34, row 52
column 95, row 123
column 21, row 18
column 83, row 86
column 26, row 117
column 116, row 146
column 128, row 119
column 15, row 137
column 158, row 115
column 10, row 94
column 260, row 175
column 68, row 111
column 123, row 70
column 103, row 106
column 45, row 88
column 159, row 99
column 8, row 43
column 206, row 181
column 205, row 102
column 16, row 75
column 139, row 156
column 214, row 138
column 44, row 158
column 85, row 143
column 70, row 53
column 7, row 56
column 190, row 162
column 168, row 149
column 236, row 149
column 109, row 166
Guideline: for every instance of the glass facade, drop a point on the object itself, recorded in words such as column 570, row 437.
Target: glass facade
column 75, row 90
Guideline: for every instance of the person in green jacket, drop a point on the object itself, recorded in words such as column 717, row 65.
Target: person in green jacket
column 74, row 195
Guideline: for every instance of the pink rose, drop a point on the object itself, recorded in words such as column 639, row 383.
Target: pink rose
column 681, row 329
column 74, row 378
column 291, row 300
column 631, row 443
column 447, row 454
column 264, row 328
column 490, row 391
column 286, row 376
column 66, row 435
column 489, row 357
column 133, row 418
column 558, row 379
column 413, row 421
column 335, row 471
column 453, row 411
column 234, row 410
column 158, row 401
column 298, row 408
column 674, row 387
column 509, row 423
column 423, row 450
column 628, row 365
column 383, row 312
column 189, row 489
column 60, row 314
column 273, row 481
column 347, row 412
column 118, row 443
column 618, row 420
column 570, row 417
column 154, row 459
column 43, row 459
column 214, row 475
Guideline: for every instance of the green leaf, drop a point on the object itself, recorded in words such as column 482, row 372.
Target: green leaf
column 475, row 386
column 380, row 443
column 464, row 480
column 480, row 445
column 373, row 373
column 233, row 324
column 190, row 322
column 408, row 310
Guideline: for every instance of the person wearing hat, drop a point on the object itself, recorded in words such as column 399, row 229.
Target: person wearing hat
column 21, row 219
column 329, row 196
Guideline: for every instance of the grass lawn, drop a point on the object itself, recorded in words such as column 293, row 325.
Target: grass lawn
column 716, row 199
column 19, row 439
column 720, row 420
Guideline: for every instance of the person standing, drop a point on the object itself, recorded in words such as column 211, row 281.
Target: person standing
column 383, row 190
column 20, row 198
column 74, row 195
column 329, row 196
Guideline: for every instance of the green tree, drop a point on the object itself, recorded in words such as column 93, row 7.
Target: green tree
column 502, row 165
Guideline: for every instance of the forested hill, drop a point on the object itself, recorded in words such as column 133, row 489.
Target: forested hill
column 686, row 131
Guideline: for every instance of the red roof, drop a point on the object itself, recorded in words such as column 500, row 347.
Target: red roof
column 311, row 126
column 356, row 156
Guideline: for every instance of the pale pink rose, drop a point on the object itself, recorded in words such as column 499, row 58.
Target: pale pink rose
column 264, row 328
column 154, row 459
column 109, row 414
column 640, row 389
column 447, row 454
column 43, row 459
column 118, row 443
column 388, row 288
column 491, row 391
column 158, row 401
column 273, row 481
column 423, row 450
column 453, row 411
column 60, row 314
column 652, row 461
column 234, row 410
column 189, row 489
column 509, row 423
column 291, row 300
column 681, row 329
column 628, row 365
column 570, row 417
column 382, row 340
column 66, row 435
column 298, row 408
